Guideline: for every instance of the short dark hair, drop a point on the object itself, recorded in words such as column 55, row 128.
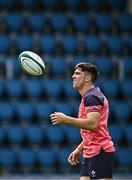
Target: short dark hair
column 88, row 67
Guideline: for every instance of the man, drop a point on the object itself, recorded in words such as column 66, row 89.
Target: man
column 96, row 146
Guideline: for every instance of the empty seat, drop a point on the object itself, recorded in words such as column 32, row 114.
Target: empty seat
column 81, row 22
column 7, row 158
column 127, row 64
column 128, row 133
column 16, row 68
column 28, row 4
column 69, row 43
column 64, row 107
column 14, row 21
column 35, row 134
column 126, row 88
column 105, row 65
column 6, row 5
column 2, row 88
column 93, row 5
column 103, row 22
column 116, row 133
column 74, row 4
column 24, row 42
column 5, row 44
column 117, row 5
column 32, row 88
column 50, row 4
column 4, row 108
column 59, row 21
column 48, row 43
column 16, row 134
column 62, row 157
column 93, row 44
column 2, row 135
column 111, row 88
column 115, row 44
column 36, row 21
column 14, row 88
column 24, row 111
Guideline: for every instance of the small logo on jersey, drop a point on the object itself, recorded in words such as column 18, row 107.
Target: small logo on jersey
column 93, row 173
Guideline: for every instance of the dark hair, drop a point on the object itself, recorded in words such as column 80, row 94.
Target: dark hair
column 88, row 67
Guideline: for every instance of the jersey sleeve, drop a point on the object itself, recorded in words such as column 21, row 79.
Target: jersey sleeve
column 93, row 103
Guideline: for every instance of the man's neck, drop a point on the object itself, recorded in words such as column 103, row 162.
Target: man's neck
column 86, row 89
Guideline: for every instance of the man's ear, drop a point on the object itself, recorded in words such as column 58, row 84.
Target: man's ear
column 88, row 77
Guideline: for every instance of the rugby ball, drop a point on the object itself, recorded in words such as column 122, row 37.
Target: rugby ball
column 31, row 63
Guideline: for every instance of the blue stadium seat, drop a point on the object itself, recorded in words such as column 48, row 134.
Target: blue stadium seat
column 69, row 91
column 36, row 21
column 62, row 157
column 103, row 22
column 4, row 108
column 2, row 135
column 124, row 157
column 115, row 44
column 128, row 133
column 124, row 21
column 93, row 44
column 52, row 88
column 6, row 4
column 58, row 66
column 64, row 107
column 24, row 42
column 24, row 111
column 126, row 88
column 111, row 88
column 28, row 4
column 35, row 134
column 130, row 42
column 14, row 88
column 7, row 158
column 46, row 157
column 74, row 4
column 2, row 88
column 32, row 88
column 14, row 21
column 16, row 68
column 55, row 135
column 127, row 64
column 50, row 4
column 122, row 111
column 47, row 43
column 26, row 157
column 16, row 134
column 81, row 22
column 43, row 111
column 59, row 21
column 117, row 5
column 116, row 132
column 69, row 43
column 6, row 43
column 105, row 65
column 93, row 5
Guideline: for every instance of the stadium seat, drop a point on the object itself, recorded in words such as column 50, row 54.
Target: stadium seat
column 6, row 43
column 24, row 111
column 116, row 132
column 92, row 44
column 4, row 108
column 117, row 5
column 7, row 158
column 6, row 5
column 126, row 88
column 127, row 64
column 111, row 88
column 105, row 65
column 14, row 88
column 2, row 88
column 28, row 4
column 46, row 157
column 14, row 21
column 52, row 88
column 43, row 111
column 36, row 21
column 16, row 69
column 24, row 42
column 124, row 157
column 2, row 135
column 93, row 5
column 50, row 4
column 128, row 133
column 69, row 43
column 35, row 134
column 59, row 21
column 115, row 44
column 16, row 134
column 26, row 157
column 62, row 156
column 81, row 22
column 32, row 88
column 122, row 111
column 130, row 42
column 74, row 4
column 47, row 43
column 64, row 107
column 55, row 135
column 124, row 21
column 103, row 22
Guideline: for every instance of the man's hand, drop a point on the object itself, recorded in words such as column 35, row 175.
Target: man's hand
column 58, row 118
column 73, row 158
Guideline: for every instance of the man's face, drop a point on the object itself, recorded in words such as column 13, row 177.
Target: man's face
column 79, row 79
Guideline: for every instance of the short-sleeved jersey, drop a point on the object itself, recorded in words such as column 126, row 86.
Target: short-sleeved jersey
column 93, row 141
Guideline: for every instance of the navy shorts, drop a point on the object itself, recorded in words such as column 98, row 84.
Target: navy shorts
column 99, row 166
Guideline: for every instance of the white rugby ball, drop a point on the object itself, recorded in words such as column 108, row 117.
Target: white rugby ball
column 31, row 63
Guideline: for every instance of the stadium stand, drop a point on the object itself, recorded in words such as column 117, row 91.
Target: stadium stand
column 64, row 33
